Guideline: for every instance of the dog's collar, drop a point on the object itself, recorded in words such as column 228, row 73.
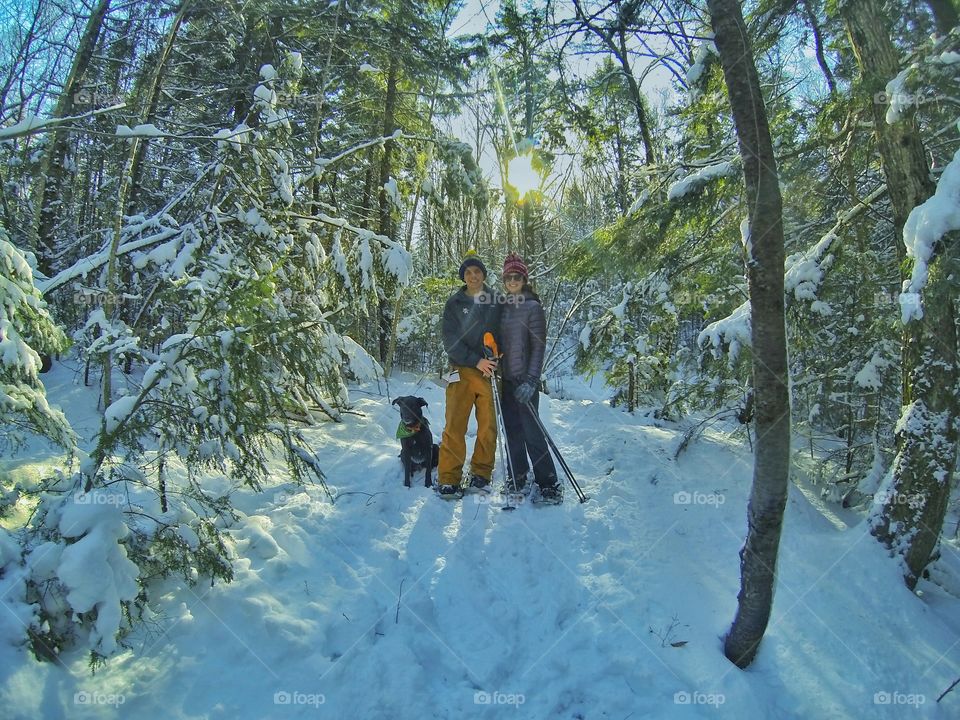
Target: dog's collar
column 404, row 432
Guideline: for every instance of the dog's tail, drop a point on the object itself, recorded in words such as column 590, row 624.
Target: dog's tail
column 436, row 455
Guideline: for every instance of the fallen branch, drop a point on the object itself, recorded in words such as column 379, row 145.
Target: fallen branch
column 952, row 686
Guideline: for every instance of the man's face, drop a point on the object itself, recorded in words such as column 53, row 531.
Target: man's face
column 473, row 277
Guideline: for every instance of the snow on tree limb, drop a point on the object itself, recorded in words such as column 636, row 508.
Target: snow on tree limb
column 925, row 225
column 26, row 328
column 700, row 178
column 804, row 274
column 97, row 260
column 734, row 329
column 32, row 125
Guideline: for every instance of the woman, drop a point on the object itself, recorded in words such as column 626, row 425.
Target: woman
column 523, row 331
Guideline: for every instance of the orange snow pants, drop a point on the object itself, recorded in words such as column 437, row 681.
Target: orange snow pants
column 472, row 390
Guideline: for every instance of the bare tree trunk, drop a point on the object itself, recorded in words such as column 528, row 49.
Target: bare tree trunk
column 768, row 495
column 52, row 170
column 619, row 51
column 508, row 206
column 621, row 161
column 904, row 162
column 313, row 182
column 818, row 45
column 398, row 304
column 623, row 57
column 912, row 516
column 152, row 98
column 385, row 212
column 126, row 185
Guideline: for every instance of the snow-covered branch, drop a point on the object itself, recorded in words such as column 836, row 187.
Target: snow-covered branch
column 32, row 125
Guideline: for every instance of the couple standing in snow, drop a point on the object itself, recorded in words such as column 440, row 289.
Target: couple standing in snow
column 518, row 323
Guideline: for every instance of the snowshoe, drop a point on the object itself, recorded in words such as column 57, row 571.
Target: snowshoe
column 478, row 484
column 521, row 487
column 548, row 495
column 508, row 489
column 449, row 492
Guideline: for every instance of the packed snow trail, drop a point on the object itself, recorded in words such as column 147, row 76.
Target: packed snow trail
column 392, row 603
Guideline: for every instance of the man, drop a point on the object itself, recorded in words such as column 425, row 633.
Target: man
column 469, row 313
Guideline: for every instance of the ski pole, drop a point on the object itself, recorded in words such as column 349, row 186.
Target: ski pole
column 490, row 350
column 556, row 451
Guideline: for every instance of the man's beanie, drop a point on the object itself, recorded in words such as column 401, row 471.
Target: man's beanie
column 515, row 264
column 473, row 259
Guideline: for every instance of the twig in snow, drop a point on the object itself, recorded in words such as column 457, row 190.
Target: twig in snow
column 370, row 496
column 397, row 619
column 665, row 635
column 952, row 686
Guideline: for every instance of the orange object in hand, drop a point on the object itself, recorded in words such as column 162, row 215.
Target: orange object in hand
column 491, row 344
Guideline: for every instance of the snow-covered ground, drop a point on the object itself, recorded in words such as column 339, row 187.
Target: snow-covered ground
column 392, row 603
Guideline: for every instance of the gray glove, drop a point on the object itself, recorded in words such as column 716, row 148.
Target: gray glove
column 525, row 391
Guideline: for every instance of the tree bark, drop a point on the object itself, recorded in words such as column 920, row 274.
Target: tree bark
column 902, row 152
column 768, row 495
column 52, row 170
column 384, row 323
column 127, row 180
column 313, row 182
column 818, row 45
column 152, row 99
column 620, row 150
column 911, row 519
column 622, row 55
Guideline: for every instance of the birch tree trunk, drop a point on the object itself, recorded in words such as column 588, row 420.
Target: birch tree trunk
column 768, row 495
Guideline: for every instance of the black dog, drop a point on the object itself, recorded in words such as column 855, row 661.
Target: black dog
column 417, row 449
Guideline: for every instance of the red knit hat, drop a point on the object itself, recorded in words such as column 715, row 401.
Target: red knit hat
column 515, row 264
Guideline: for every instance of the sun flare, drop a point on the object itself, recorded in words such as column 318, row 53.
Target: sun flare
column 522, row 176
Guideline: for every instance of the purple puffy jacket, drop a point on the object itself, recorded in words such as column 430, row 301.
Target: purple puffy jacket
column 523, row 335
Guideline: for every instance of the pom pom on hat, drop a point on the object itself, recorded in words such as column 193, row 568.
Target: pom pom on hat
column 472, row 259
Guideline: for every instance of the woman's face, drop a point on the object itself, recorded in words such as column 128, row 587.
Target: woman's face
column 513, row 282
